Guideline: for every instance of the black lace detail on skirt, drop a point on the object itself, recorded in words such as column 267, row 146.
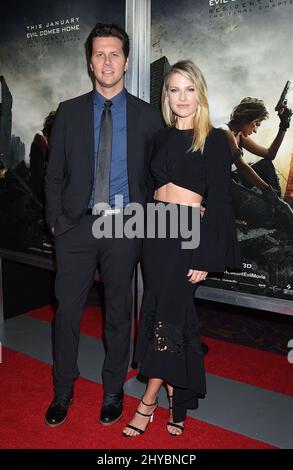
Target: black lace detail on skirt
column 167, row 337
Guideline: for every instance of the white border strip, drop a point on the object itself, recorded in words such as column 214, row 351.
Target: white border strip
column 138, row 26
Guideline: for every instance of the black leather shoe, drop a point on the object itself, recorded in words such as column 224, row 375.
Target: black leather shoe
column 57, row 411
column 112, row 408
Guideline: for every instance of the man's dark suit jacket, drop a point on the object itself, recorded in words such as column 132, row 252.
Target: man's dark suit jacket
column 69, row 178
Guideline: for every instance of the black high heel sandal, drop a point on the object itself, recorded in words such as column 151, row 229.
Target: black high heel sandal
column 150, row 416
column 170, row 423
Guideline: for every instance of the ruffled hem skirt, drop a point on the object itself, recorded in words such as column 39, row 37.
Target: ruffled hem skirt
column 168, row 342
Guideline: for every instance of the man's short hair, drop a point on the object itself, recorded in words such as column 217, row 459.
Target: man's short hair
column 105, row 30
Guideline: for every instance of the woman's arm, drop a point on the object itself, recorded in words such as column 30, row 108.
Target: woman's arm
column 249, row 174
column 218, row 246
column 243, row 168
column 236, row 152
column 268, row 153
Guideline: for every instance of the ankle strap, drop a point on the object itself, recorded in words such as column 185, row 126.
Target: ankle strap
column 144, row 414
column 151, row 404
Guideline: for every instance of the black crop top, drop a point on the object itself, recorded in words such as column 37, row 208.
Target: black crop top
column 208, row 174
column 172, row 162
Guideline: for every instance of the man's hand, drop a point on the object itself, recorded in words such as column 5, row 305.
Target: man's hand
column 52, row 230
column 196, row 276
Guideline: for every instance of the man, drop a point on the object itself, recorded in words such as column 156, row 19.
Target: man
column 98, row 149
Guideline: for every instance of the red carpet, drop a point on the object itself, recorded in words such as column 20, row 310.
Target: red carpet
column 92, row 323
column 23, row 401
column 248, row 365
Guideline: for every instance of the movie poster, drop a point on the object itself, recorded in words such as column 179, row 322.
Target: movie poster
column 42, row 62
column 245, row 50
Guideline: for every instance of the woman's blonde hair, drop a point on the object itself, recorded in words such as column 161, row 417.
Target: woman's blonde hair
column 202, row 124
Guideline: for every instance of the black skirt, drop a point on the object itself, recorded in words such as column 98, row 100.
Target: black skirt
column 168, row 343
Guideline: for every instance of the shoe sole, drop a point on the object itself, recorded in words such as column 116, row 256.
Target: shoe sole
column 61, row 422
column 112, row 422
column 55, row 425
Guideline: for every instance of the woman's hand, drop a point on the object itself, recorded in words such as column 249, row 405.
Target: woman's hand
column 285, row 115
column 196, row 276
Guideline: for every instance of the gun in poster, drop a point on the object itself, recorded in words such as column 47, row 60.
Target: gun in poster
column 284, row 108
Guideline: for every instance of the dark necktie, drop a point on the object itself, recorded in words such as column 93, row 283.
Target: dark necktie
column 102, row 182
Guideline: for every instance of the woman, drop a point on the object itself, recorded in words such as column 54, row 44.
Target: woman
column 245, row 120
column 189, row 159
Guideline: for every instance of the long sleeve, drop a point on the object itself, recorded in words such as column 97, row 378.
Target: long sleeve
column 218, row 248
column 158, row 125
column 56, row 168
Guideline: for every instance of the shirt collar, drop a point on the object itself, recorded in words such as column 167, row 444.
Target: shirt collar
column 117, row 100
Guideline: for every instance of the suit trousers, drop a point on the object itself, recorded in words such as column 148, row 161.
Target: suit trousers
column 78, row 253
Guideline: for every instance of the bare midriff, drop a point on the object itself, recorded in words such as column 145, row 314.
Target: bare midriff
column 176, row 195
